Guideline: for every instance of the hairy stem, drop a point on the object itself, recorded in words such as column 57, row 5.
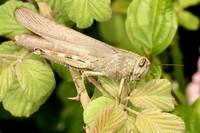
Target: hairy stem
column 125, row 99
column 20, row 58
column 130, row 110
column 9, row 56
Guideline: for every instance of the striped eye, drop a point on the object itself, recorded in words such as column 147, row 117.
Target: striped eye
column 142, row 62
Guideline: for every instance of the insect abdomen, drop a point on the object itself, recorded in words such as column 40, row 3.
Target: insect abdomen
column 31, row 42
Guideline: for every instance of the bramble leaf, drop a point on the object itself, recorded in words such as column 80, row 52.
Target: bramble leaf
column 155, row 121
column 9, row 27
column 94, row 107
column 87, row 11
column 17, row 104
column 9, row 47
column 129, row 126
column 154, row 94
column 109, row 119
column 35, row 78
column 190, row 116
column 112, row 86
column 58, row 6
column 7, row 76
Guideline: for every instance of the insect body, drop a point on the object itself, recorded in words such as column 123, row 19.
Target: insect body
column 71, row 48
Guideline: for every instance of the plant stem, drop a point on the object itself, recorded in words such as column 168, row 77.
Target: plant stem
column 20, row 58
column 45, row 9
column 130, row 110
column 9, row 56
column 125, row 99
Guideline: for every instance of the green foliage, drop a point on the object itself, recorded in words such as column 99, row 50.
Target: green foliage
column 59, row 7
column 192, row 120
column 146, row 27
column 151, row 25
column 129, row 126
column 32, row 74
column 112, row 86
column 154, row 94
column 186, row 18
column 62, row 71
column 6, row 78
column 88, row 11
column 9, row 26
column 26, row 83
column 108, row 120
column 114, row 32
column 94, row 107
column 154, row 120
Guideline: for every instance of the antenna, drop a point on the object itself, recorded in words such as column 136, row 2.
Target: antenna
column 165, row 65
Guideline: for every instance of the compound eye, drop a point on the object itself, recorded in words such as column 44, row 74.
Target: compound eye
column 142, row 62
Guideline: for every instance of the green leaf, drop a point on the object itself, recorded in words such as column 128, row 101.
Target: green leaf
column 9, row 47
column 114, row 32
column 129, row 126
column 71, row 111
column 154, row 72
column 8, row 25
column 17, row 104
column 196, row 106
column 58, row 6
column 190, row 116
column 110, row 119
column 188, row 20
column 35, row 78
column 94, row 107
column 154, row 94
column 85, row 11
column 187, row 3
column 112, row 86
column 6, row 79
column 178, row 72
column 62, row 71
column 151, row 25
column 120, row 6
column 155, row 121
column 65, row 89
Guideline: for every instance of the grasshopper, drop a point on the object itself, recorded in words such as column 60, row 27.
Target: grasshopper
column 74, row 49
